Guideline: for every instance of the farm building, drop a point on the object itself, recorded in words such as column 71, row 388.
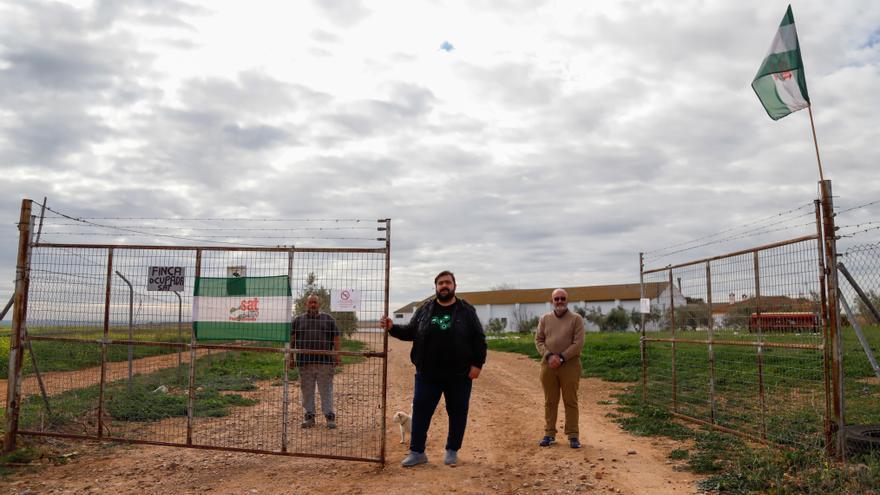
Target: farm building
column 513, row 305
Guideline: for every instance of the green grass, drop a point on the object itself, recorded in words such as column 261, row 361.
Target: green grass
column 611, row 356
column 69, row 356
column 215, row 376
column 729, row 464
column 65, row 356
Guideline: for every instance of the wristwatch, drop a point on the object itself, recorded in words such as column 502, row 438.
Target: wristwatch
column 561, row 358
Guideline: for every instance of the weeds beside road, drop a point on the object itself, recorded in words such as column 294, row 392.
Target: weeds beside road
column 732, row 464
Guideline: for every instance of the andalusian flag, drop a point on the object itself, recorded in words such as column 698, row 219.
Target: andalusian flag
column 780, row 82
column 246, row 308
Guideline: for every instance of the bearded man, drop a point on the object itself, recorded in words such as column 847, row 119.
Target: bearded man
column 449, row 350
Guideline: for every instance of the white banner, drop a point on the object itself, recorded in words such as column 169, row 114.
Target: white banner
column 644, row 305
column 345, row 300
column 254, row 309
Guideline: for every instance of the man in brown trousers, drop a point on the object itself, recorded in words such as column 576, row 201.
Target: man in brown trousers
column 560, row 339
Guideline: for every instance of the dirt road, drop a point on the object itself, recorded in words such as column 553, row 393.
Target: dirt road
column 500, row 453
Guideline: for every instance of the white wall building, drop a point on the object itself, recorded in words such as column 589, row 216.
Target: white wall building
column 511, row 306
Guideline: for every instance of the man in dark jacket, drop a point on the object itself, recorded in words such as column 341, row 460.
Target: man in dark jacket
column 449, row 350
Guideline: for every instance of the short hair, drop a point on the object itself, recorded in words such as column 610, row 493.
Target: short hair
column 443, row 274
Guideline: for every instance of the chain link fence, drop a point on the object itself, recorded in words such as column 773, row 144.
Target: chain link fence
column 860, row 334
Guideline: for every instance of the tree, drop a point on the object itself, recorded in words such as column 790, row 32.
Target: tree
column 523, row 320
column 346, row 321
column 635, row 316
column 495, row 325
column 617, row 320
column 693, row 315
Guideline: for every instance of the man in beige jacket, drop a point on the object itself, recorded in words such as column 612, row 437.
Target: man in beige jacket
column 560, row 339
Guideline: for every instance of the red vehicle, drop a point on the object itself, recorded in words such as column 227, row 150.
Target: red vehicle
column 794, row 321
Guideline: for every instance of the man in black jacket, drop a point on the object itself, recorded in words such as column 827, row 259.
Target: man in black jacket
column 449, row 350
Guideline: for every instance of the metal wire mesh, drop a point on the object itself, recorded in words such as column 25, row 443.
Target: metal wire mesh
column 736, row 342
column 861, row 383
column 110, row 359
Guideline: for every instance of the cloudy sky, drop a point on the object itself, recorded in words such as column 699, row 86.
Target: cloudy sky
column 526, row 143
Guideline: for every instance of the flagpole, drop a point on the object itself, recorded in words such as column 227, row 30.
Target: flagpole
column 815, row 143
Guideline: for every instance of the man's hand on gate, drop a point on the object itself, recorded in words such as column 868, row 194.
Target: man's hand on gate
column 385, row 323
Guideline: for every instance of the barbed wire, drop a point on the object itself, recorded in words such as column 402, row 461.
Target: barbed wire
column 179, row 232
column 215, row 219
column 857, row 232
column 223, row 229
column 758, row 231
column 859, row 206
column 149, row 234
column 661, row 251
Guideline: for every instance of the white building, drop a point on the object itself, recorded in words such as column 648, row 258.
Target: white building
column 514, row 305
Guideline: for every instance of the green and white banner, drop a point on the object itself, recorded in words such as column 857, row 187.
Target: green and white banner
column 780, row 82
column 245, row 308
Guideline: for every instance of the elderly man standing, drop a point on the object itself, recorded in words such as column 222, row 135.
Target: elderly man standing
column 560, row 339
column 316, row 331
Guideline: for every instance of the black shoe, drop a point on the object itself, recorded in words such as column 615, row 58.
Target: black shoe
column 574, row 443
column 331, row 421
column 308, row 421
column 547, row 441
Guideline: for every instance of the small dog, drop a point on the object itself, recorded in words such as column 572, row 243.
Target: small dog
column 404, row 422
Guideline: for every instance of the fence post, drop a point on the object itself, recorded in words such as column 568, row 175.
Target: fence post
column 130, row 330
column 760, row 357
column 829, row 238
column 828, row 426
column 105, row 341
column 19, row 315
column 285, row 384
column 191, row 400
column 642, row 344
column 711, row 348
column 387, row 228
column 672, row 320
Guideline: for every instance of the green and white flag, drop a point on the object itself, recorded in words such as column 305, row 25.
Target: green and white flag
column 245, row 308
column 780, row 82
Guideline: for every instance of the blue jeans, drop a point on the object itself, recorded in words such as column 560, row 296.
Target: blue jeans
column 426, row 395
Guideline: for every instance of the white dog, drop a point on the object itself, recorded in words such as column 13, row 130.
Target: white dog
column 404, row 422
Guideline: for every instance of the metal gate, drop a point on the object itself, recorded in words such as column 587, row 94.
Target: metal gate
column 96, row 355
column 744, row 342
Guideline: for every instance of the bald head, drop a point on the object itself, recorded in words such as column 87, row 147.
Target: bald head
column 559, row 299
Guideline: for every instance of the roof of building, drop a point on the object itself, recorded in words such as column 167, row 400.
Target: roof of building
column 592, row 293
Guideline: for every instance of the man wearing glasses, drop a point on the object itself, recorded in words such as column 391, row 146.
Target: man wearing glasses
column 559, row 339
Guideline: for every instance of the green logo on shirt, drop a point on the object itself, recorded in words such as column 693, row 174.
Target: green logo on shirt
column 443, row 322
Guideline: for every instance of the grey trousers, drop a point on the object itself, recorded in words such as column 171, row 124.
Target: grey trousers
column 319, row 374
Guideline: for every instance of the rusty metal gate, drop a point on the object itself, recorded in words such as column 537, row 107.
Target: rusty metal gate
column 744, row 342
column 97, row 353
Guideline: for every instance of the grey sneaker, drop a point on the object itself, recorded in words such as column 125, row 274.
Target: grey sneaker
column 308, row 421
column 414, row 459
column 331, row 421
column 451, row 458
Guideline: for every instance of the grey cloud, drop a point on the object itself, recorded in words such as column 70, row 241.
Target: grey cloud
column 516, row 84
column 324, row 36
column 251, row 93
column 405, row 106
column 255, row 137
column 165, row 13
column 344, row 13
